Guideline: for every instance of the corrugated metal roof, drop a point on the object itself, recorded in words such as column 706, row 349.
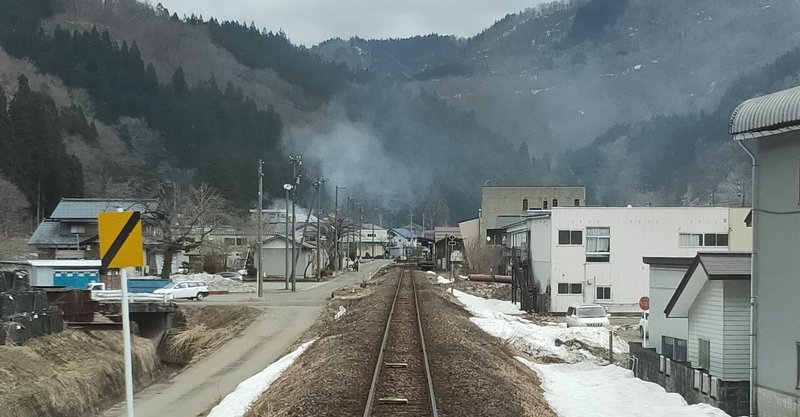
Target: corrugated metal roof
column 87, row 208
column 405, row 233
column 767, row 115
column 726, row 265
column 66, row 263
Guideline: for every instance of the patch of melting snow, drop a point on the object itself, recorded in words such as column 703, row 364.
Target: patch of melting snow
column 340, row 313
column 580, row 387
column 589, row 390
column 442, row 280
column 571, row 345
column 237, row 403
column 216, row 282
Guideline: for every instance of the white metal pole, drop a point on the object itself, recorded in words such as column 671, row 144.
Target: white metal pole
column 126, row 340
column 286, row 220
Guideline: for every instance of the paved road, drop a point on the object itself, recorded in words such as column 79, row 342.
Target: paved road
column 286, row 316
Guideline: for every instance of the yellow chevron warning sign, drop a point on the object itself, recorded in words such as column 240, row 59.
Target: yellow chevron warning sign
column 120, row 239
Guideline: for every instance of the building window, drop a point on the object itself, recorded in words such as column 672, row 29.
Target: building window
column 544, row 204
column 702, row 239
column 603, row 293
column 570, row 288
column 667, row 344
column 576, row 202
column 77, row 229
column 598, row 244
column 524, row 204
column 704, row 347
column 570, row 237
column 679, row 350
column 555, row 202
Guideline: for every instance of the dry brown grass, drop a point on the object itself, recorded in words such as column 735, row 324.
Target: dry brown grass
column 207, row 329
column 69, row 374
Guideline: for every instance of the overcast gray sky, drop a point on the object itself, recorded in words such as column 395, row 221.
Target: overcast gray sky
column 309, row 22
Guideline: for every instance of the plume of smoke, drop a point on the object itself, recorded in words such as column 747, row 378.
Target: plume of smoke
column 351, row 155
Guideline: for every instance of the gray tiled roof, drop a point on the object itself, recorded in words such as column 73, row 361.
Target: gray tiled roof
column 49, row 233
column 726, row 264
column 87, row 208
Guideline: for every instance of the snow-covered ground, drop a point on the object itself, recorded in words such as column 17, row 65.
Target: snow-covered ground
column 553, row 342
column 583, row 385
column 442, row 280
column 239, row 401
column 589, row 390
column 216, row 282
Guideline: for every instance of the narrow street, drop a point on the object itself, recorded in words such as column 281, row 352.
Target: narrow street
column 286, row 316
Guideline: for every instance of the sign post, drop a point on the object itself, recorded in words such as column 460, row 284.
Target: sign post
column 451, row 243
column 121, row 247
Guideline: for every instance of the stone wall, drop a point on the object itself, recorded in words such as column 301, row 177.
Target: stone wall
column 733, row 397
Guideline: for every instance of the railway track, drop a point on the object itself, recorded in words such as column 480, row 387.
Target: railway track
column 401, row 382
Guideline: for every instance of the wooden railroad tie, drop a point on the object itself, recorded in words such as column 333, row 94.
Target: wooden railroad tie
column 393, row 400
column 395, row 364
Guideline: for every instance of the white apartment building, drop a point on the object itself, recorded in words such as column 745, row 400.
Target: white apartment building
column 594, row 254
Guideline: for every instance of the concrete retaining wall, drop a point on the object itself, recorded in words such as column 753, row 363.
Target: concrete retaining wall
column 733, row 397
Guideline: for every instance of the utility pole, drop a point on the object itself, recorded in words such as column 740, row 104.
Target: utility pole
column 287, row 187
column 295, row 160
column 318, row 183
column 260, row 269
column 336, row 228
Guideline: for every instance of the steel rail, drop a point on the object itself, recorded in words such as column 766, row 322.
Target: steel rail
column 434, row 412
column 376, row 373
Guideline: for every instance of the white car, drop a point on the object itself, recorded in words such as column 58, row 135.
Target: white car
column 185, row 289
column 643, row 330
column 587, row 315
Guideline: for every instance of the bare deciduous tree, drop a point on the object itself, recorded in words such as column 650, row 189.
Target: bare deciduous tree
column 13, row 209
column 183, row 218
column 332, row 232
column 484, row 258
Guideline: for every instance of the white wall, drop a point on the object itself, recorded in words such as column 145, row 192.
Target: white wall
column 663, row 282
column 706, row 322
column 540, row 244
column 636, row 232
column 737, row 328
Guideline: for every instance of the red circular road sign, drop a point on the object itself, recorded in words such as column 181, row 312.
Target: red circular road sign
column 644, row 303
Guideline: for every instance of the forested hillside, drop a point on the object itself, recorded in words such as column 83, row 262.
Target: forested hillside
column 630, row 98
column 568, row 76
